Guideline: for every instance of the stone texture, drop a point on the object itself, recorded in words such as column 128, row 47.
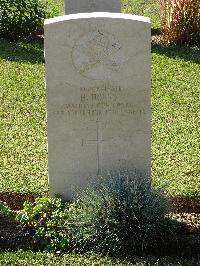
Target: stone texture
column 98, row 97
column 87, row 6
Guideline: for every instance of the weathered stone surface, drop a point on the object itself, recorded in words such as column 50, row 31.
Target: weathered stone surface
column 98, row 97
column 87, row 6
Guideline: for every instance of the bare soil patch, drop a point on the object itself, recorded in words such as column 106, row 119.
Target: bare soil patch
column 13, row 236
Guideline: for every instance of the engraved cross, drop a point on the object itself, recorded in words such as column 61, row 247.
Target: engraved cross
column 99, row 142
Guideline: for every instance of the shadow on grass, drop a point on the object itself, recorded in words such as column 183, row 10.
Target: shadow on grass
column 24, row 50
column 13, row 236
column 186, row 53
column 182, row 242
column 31, row 49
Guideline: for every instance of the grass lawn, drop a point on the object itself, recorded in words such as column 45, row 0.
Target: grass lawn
column 23, row 140
column 148, row 8
column 175, row 105
column 22, row 258
column 23, row 119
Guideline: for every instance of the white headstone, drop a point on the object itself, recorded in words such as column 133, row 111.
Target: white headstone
column 87, row 6
column 98, row 97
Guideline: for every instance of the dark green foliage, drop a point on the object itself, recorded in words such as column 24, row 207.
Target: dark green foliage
column 4, row 209
column 22, row 17
column 46, row 218
column 121, row 215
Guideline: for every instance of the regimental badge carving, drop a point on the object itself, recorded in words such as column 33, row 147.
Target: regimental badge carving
column 97, row 55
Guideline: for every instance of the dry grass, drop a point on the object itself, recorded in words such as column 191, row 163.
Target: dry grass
column 180, row 21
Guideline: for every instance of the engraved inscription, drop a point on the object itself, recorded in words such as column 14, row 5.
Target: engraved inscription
column 100, row 101
column 97, row 55
column 100, row 109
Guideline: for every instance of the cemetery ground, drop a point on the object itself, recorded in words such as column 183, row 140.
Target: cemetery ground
column 175, row 143
column 175, row 92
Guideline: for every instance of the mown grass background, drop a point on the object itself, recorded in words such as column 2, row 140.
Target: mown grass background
column 175, row 106
column 175, row 125
column 23, row 140
column 23, row 118
column 27, row 258
column 148, row 8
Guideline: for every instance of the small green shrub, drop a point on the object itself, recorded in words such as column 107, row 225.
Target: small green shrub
column 46, row 218
column 121, row 215
column 180, row 21
column 118, row 215
column 22, row 17
column 4, row 209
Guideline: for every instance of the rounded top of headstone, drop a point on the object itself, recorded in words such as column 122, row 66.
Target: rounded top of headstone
column 97, row 15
